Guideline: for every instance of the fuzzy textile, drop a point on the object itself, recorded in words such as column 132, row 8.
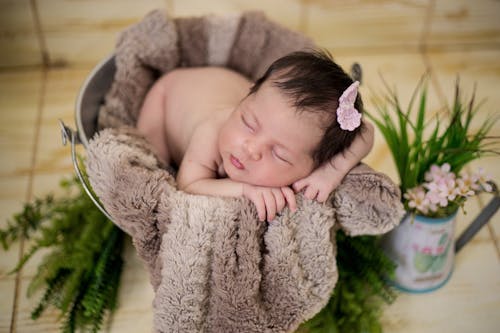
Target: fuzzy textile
column 214, row 267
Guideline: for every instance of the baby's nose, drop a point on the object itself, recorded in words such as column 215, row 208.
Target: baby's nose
column 253, row 150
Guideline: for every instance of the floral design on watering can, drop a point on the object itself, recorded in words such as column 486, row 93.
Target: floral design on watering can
column 423, row 250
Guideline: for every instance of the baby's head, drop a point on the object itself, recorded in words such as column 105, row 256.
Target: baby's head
column 313, row 83
column 287, row 125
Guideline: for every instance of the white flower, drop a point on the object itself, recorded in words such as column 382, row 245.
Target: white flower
column 469, row 181
column 441, row 191
column 437, row 173
column 436, row 198
column 448, row 189
column 483, row 180
column 417, row 199
column 442, row 188
column 463, row 188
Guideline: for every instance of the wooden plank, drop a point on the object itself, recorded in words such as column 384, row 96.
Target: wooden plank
column 12, row 195
column 7, row 288
column 62, row 88
column 286, row 12
column 18, row 37
column 462, row 24
column 367, row 25
column 85, row 31
column 19, row 97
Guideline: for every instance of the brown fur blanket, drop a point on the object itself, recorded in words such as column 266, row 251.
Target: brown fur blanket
column 214, row 267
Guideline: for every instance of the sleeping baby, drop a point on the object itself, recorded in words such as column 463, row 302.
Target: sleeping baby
column 297, row 128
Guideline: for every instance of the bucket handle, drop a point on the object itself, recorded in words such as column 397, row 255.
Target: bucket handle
column 72, row 136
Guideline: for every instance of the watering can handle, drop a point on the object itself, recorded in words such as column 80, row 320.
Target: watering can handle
column 483, row 217
column 71, row 135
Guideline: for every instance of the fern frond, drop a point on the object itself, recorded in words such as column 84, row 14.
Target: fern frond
column 81, row 273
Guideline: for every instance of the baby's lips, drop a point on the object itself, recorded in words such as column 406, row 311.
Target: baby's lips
column 236, row 162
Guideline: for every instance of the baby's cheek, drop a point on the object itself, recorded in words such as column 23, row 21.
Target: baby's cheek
column 234, row 137
column 225, row 136
column 266, row 175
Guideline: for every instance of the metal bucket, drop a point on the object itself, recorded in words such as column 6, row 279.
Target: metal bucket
column 88, row 103
column 91, row 97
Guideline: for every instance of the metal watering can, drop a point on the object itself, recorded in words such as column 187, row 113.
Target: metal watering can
column 424, row 249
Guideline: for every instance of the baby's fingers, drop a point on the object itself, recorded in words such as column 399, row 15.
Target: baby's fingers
column 322, row 196
column 290, row 198
column 270, row 203
column 280, row 199
column 311, row 192
column 325, row 190
column 260, row 206
column 300, row 184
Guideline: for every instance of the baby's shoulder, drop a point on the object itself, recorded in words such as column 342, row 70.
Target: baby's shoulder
column 203, row 142
column 207, row 129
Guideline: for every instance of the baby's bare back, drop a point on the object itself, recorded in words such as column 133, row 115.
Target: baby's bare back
column 190, row 97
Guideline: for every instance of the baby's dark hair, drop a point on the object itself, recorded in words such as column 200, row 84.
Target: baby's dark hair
column 314, row 83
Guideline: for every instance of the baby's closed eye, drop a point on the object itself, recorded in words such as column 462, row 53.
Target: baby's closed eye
column 248, row 122
column 280, row 156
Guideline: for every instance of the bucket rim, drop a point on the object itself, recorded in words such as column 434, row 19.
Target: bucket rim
column 79, row 100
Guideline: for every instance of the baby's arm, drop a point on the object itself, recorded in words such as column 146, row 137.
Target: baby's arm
column 197, row 175
column 323, row 180
column 268, row 200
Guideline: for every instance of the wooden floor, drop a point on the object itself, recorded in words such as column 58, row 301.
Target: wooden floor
column 48, row 48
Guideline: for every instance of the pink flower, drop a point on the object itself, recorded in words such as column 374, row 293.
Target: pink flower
column 440, row 192
column 443, row 188
column 427, row 250
column 436, row 198
column 437, row 173
column 417, row 199
column 348, row 117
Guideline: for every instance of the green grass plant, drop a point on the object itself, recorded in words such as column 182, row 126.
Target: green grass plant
column 418, row 139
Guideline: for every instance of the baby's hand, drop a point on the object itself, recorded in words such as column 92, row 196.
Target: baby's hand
column 320, row 183
column 270, row 200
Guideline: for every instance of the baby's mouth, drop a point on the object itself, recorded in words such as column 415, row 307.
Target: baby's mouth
column 236, row 162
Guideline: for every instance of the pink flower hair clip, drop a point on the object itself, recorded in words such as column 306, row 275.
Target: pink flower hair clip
column 347, row 116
